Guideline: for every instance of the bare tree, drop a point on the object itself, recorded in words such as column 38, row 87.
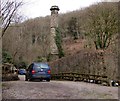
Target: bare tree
column 9, row 11
column 102, row 24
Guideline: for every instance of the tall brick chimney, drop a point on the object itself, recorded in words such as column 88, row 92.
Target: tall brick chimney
column 53, row 25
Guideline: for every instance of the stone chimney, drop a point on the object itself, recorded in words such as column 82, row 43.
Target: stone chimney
column 53, row 25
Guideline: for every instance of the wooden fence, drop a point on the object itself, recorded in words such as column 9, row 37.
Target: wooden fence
column 99, row 79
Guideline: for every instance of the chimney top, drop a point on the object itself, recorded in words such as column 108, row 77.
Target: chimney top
column 54, row 8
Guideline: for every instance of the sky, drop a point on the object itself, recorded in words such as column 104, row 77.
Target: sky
column 38, row 8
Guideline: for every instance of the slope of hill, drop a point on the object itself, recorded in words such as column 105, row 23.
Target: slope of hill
column 30, row 40
column 71, row 46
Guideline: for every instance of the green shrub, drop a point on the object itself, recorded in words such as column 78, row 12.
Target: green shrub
column 21, row 64
column 40, row 59
column 6, row 57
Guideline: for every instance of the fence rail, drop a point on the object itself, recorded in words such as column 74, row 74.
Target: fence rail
column 99, row 79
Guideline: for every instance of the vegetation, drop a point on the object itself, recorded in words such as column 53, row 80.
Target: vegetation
column 102, row 24
column 41, row 59
column 6, row 57
column 9, row 13
column 21, row 65
column 99, row 23
column 73, row 28
column 58, row 40
column 32, row 37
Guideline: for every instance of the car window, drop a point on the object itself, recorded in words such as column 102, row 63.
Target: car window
column 22, row 70
column 41, row 65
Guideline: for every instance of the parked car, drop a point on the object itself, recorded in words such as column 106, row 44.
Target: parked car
column 22, row 71
column 39, row 71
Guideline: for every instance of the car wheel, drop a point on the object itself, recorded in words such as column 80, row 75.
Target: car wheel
column 40, row 79
column 26, row 79
column 30, row 79
column 48, row 80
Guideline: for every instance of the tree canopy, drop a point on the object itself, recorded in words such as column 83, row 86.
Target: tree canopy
column 102, row 24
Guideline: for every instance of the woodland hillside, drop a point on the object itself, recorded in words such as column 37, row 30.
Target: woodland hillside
column 89, row 29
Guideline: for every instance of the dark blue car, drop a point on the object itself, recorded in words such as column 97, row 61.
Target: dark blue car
column 22, row 71
column 38, row 71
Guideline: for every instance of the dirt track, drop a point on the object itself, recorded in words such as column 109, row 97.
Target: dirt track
column 57, row 90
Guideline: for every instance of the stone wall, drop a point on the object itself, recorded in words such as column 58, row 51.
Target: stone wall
column 96, row 63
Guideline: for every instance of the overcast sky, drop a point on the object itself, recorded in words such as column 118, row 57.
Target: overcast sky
column 37, row 8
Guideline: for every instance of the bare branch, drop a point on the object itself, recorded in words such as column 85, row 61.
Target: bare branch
column 9, row 11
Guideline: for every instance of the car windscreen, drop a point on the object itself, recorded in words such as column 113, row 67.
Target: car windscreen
column 39, row 66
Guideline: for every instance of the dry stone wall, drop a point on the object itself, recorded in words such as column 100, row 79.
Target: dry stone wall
column 95, row 63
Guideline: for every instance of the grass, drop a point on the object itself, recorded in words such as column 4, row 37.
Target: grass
column 5, row 86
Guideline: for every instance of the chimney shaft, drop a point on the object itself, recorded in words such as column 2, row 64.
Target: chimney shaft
column 53, row 25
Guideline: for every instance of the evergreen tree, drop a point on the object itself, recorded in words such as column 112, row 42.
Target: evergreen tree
column 72, row 27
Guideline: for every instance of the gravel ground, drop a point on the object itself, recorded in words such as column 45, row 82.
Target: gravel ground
column 56, row 90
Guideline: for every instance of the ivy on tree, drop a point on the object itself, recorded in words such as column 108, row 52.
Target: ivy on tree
column 58, row 41
column 102, row 24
